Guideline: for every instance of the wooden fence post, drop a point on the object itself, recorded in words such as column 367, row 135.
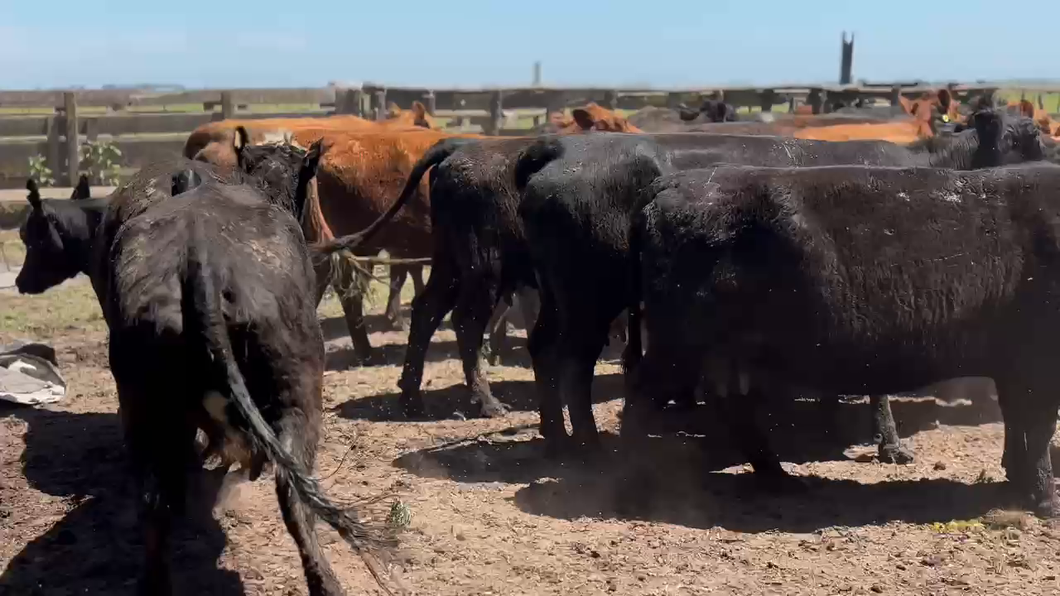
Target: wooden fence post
column 611, row 100
column 228, row 106
column 766, row 100
column 380, row 104
column 350, row 102
column 896, row 96
column 815, row 100
column 431, row 101
column 55, row 155
column 496, row 113
column 73, row 147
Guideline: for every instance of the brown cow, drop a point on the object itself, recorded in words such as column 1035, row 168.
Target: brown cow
column 215, row 139
column 1042, row 118
column 359, row 175
column 213, row 143
column 586, row 118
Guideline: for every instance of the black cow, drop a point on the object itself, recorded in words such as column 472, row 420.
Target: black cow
column 863, row 280
column 581, row 192
column 206, row 285
column 481, row 253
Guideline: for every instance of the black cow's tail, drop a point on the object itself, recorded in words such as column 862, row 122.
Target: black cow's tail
column 202, row 312
column 434, row 156
column 632, row 354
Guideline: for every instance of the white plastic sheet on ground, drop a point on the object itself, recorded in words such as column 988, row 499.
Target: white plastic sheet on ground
column 29, row 379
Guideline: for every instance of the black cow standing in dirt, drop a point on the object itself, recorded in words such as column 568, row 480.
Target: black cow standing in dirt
column 579, row 193
column 481, row 252
column 479, row 256
column 858, row 280
column 207, row 286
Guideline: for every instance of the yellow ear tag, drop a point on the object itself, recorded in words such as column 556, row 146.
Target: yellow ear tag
column 945, row 117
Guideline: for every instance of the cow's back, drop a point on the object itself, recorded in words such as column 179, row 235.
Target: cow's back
column 361, row 174
column 816, row 260
column 255, row 250
column 702, row 150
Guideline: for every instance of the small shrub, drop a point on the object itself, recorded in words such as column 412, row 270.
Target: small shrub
column 39, row 170
column 100, row 160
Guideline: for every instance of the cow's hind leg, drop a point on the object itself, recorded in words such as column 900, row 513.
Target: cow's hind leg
column 161, row 442
column 578, row 353
column 742, row 412
column 398, row 273
column 542, row 343
column 1030, row 422
column 429, row 307
column 885, row 432
column 298, row 518
column 661, row 375
column 470, row 316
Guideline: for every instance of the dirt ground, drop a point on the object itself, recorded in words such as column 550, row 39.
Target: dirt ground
column 491, row 517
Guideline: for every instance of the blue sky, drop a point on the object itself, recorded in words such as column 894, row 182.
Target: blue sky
column 663, row 43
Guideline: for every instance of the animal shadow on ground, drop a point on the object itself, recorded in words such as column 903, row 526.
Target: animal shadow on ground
column 335, row 327
column 96, row 547
column 343, row 357
column 455, row 401
column 672, row 476
column 393, row 354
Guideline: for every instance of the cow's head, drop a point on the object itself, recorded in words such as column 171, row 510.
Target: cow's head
column 1003, row 139
column 54, row 251
column 415, row 116
column 592, row 117
column 933, row 111
column 281, row 169
column 718, row 111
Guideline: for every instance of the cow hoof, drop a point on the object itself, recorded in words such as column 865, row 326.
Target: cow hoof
column 371, row 358
column 558, row 448
column 412, row 407
column 1048, row 510
column 781, row 483
column 492, row 408
column 896, row 454
column 153, row 586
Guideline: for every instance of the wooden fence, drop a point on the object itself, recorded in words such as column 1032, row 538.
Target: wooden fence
column 148, row 126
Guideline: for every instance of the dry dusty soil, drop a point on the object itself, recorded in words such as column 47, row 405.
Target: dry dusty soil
column 490, row 516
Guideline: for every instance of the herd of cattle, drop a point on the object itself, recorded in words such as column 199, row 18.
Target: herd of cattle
column 869, row 251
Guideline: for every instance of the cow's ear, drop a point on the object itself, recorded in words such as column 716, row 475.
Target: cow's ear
column 944, row 99
column 311, row 161
column 583, row 118
column 240, row 140
column 239, row 144
column 34, row 194
column 1026, row 108
column 420, row 115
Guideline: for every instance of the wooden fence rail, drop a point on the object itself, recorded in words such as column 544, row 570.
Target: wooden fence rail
column 147, row 126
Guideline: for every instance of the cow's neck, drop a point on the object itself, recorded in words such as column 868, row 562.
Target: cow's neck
column 79, row 224
column 961, row 152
